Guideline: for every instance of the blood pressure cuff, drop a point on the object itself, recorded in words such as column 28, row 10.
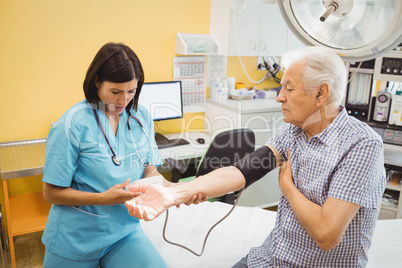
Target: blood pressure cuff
column 257, row 164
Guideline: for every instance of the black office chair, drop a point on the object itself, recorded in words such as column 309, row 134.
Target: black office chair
column 225, row 149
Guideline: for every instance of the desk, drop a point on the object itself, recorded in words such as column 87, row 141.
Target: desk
column 192, row 150
column 27, row 213
column 188, row 153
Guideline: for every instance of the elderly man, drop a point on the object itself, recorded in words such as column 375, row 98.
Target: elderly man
column 332, row 174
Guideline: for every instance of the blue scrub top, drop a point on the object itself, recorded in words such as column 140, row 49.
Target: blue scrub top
column 78, row 156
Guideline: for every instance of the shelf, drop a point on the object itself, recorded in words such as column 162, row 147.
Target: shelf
column 394, row 187
column 28, row 213
column 389, row 208
column 392, row 155
column 386, row 214
column 361, row 70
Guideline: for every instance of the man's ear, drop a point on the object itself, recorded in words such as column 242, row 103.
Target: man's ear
column 322, row 94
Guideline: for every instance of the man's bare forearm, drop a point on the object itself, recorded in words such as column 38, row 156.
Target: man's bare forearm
column 215, row 183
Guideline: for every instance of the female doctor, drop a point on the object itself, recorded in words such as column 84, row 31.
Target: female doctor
column 92, row 153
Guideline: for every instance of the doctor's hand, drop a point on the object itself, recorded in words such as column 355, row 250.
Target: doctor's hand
column 196, row 199
column 117, row 194
column 153, row 201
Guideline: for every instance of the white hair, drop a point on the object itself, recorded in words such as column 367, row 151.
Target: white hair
column 321, row 66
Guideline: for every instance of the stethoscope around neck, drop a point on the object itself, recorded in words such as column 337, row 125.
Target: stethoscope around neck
column 115, row 159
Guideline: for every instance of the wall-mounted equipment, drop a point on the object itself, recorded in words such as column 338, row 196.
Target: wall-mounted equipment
column 382, row 105
column 359, row 89
column 382, row 110
column 357, row 30
column 395, row 113
column 389, row 67
column 195, row 44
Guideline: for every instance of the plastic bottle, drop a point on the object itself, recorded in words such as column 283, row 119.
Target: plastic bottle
column 215, row 89
column 224, row 90
column 219, row 91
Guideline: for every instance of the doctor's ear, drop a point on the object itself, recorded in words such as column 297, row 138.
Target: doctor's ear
column 97, row 83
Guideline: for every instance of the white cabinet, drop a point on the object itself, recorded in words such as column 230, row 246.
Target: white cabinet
column 273, row 31
column 263, row 116
column 246, row 31
column 393, row 160
column 250, row 28
column 391, row 212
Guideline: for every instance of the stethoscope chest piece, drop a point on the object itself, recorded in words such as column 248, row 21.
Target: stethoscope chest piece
column 116, row 160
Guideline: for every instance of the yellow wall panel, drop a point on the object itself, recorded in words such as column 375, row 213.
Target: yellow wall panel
column 46, row 47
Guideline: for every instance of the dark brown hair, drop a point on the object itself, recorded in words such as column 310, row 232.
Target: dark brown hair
column 115, row 63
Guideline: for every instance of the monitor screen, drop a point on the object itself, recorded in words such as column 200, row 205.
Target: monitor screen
column 162, row 99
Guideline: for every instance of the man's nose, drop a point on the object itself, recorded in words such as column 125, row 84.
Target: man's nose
column 280, row 97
